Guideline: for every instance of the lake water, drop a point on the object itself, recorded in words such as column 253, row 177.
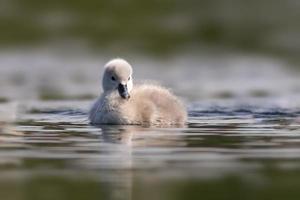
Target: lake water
column 242, row 139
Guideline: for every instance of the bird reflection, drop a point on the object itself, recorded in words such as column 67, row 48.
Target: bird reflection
column 139, row 136
column 119, row 134
column 125, row 143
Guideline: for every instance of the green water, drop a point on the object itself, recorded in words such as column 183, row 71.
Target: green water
column 226, row 151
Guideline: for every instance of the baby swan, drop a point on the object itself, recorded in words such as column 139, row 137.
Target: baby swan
column 125, row 104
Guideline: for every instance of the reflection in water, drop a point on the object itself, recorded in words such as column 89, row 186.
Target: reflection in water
column 122, row 136
column 119, row 133
column 53, row 151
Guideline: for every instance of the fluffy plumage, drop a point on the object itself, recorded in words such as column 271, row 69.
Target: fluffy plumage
column 146, row 104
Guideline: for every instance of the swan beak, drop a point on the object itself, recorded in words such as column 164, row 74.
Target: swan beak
column 123, row 91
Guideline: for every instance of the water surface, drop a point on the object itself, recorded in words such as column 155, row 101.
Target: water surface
column 241, row 140
column 227, row 150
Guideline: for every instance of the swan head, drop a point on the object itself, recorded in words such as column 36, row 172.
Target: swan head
column 118, row 76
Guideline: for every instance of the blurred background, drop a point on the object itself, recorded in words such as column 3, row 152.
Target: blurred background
column 56, row 49
column 235, row 63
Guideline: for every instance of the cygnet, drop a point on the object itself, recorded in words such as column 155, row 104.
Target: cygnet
column 123, row 103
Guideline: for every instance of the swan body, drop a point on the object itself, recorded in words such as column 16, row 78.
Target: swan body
column 124, row 104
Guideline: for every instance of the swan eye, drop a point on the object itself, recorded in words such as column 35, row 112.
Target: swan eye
column 129, row 78
column 113, row 78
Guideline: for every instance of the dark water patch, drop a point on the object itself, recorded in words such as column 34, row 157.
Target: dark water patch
column 254, row 111
column 4, row 100
column 58, row 186
column 259, row 93
column 214, row 126
column 43, row 123
column 40, row 163
column 61, row 111
column 224, row 95
column 58, row 96
column 252, row 186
